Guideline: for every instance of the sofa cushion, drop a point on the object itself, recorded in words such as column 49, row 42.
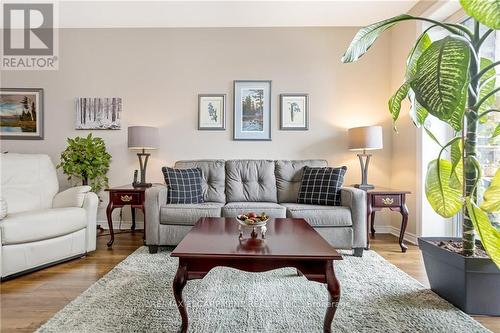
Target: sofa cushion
column 320, row 216
column 189, row 214
column 184, row 185
column 250, row 180
column 233, row 209
column 213, row 177
column 289, row 176
column 38, row 225
column 28, row 181
column 321, row 186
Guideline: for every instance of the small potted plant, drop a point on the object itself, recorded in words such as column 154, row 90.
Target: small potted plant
column 447, row 80
column 86, row 160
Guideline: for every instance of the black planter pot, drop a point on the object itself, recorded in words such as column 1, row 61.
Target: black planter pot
column 471, row 284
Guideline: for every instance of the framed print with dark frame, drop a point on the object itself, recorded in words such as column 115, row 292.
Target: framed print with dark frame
column 212, row 112
column 252, row 110
column 21, row 113
column 294, row 112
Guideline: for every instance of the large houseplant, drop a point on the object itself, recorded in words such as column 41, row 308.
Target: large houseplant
column 87, row 160
column 447, row 80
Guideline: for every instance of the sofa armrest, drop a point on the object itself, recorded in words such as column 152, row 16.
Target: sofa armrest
column 355, row 199
column 72, row 197
column 90, row 204
column 156, row 196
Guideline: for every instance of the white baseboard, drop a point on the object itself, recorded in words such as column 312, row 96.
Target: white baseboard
column 125, row 224
column 389, row 229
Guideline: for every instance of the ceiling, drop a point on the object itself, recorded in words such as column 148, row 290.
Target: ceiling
column 120, row 14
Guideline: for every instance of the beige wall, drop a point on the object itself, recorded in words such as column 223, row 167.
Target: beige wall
column 159, row 72
column 404, row 162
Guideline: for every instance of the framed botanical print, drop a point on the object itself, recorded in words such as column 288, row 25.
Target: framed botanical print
column 294, row 113
column 21, row 113
column 212, row 112
column 252, row 110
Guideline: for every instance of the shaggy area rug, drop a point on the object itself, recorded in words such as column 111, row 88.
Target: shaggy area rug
column 136, row 296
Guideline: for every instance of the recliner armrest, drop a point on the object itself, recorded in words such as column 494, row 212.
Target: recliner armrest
column 90, row 204
column 355, row 199
column 72, row 197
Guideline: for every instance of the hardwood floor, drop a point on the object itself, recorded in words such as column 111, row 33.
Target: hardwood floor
column 28, row 301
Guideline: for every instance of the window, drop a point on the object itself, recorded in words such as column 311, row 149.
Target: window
column 488, row 149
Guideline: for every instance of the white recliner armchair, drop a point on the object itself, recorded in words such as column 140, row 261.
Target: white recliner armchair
column 42, row 227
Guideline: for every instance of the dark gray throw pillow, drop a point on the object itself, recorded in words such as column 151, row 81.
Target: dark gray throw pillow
column 183, row 185
column 321, row 186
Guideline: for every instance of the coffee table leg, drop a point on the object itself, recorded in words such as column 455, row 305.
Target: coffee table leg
column 333, row 287
column 179, row 283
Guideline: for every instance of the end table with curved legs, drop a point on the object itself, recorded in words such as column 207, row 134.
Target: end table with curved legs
column 121, row 196
column 381, row 198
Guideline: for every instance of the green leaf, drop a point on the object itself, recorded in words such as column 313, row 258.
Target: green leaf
column 366, row 36
column 440, row 84
column 487, row 84
column 418, row 113
column 444, row 199
column 491, row 197
column 422, row 44
column 496, row 132
column 396, row 99
column 485, row 11
column 490, row 237
column 456, row 165
column 473, row 171
column 455, row 154
column 432, row 136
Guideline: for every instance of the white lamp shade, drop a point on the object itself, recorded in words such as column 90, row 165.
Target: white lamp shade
column 365, row 138
column 143, row 137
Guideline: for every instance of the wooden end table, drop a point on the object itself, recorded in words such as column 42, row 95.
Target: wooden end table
column 126, row 195
column 380, row 198
column 214, row 242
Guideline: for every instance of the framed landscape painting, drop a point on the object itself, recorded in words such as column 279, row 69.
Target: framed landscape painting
column 21, row 114
column 252, row 110
column 96, row 113
column 212, row 112
column 294, row 113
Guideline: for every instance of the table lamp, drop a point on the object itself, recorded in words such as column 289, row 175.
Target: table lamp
column 365, row 138
column 143, row 138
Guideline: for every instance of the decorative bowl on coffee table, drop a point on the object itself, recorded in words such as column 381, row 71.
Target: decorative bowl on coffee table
column 256, row 225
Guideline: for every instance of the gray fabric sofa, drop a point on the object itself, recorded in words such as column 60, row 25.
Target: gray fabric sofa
column 237, row 186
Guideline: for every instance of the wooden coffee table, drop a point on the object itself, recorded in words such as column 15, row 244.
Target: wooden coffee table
column 214, row 242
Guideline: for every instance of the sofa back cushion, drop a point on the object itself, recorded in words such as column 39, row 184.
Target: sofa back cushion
column 250, row 180
column 28, row 181
column 289, row 177
column 213, row 177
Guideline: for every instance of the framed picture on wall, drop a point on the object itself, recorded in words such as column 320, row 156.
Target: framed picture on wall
column 212, row 112
column 21, row 113
column 252, row 110
column 294, row 112
column 96, row 113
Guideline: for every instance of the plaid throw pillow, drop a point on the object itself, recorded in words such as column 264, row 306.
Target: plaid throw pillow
column 321, row 186
column 183, row 185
